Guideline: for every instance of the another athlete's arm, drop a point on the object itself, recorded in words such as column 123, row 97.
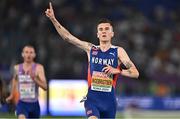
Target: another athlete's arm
column 40, row 78
column 66, row 35
column 131, row 70
column 13, row 84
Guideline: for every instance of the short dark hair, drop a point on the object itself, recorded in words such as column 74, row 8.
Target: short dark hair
column 30, row 46
column 105, row 20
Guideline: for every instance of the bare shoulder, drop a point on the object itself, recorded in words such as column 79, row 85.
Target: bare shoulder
column 39, row 66
column 121, row 49
column 15, row 70
column 16, row 67
column 122, row 54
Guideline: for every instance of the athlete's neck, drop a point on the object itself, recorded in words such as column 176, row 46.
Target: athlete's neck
column 104, row 46
column 27, row 64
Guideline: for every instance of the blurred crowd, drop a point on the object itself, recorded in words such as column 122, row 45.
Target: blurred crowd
column 149, row 30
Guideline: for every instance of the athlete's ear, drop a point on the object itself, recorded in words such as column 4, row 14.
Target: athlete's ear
column 22, row 54
column 112, row 32
column 112, row 35
column 97, row 35
column 34, row 55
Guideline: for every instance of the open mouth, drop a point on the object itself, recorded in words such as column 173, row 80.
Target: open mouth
column 103, row 35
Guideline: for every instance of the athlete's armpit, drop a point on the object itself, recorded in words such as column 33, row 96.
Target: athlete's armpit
column 90, row 44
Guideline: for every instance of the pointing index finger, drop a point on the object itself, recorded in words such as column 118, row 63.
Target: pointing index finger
column 50, row 6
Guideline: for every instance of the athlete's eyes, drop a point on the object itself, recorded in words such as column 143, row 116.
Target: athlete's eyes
column 100, row 29
column 30, row 52
column 107, row 28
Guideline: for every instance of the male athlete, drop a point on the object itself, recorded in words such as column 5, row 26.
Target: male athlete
column 28, row 76
column 104, row 67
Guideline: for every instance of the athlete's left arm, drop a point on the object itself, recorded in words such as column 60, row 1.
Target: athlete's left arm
column 131, row 70
column 40, row 78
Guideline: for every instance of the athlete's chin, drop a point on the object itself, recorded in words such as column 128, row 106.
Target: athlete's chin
column 28, row 60
column 104, row 40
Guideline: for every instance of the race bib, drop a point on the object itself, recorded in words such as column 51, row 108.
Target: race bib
column 101, row 82
column 26, row 87
column 27, row 91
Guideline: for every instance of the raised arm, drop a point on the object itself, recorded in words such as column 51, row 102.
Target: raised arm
column 131, row 70
column 65, row 34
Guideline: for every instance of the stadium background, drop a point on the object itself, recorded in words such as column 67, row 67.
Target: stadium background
column 149, row 30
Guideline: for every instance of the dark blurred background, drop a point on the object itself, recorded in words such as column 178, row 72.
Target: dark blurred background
column 149, row 31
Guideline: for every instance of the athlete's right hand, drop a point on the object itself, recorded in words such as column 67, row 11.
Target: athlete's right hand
column 9, row 99
column 50, row 12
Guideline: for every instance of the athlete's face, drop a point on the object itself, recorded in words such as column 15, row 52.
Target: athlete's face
column 28, row 54
column 105, row 32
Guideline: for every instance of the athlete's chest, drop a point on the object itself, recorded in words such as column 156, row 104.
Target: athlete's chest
column 104, row 58
column 26, row 74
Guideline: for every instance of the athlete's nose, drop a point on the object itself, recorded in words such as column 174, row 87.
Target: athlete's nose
column 103, row 32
